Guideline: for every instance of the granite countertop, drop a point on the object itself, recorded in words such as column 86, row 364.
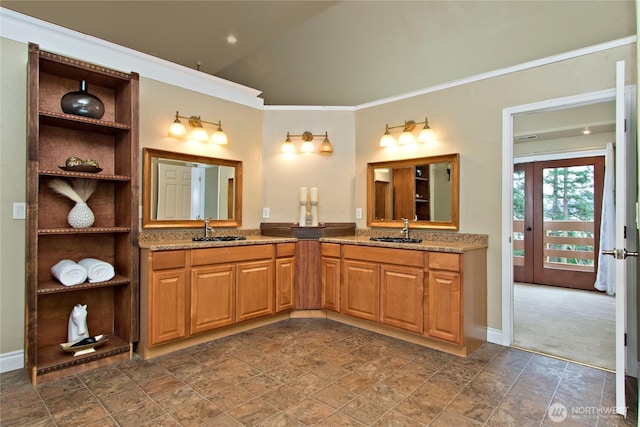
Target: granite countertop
column 425, row 245
column 166, row 245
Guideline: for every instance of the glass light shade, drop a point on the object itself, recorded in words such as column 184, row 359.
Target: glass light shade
column 387, row 140
column 199, row 134
column 406, row 138
column 219, row 137
column 307, row 147
column 288, row 147
column 177, row 129
column 426, row 135
column 326, row 147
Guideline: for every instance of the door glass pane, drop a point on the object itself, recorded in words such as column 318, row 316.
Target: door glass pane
column 568, row 202
column 518, row 218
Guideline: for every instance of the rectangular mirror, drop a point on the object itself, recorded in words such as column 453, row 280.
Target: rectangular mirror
column 182, row 190
column 423, row 190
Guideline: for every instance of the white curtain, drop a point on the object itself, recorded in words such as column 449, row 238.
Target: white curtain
column 605, row 276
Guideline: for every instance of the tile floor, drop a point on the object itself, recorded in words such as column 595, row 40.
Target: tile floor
column 313, row 372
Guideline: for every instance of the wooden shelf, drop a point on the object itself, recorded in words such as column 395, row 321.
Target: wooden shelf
column 70, row 121
column 54, row 136
column 98, row 176
column 54, row 358
column 53, row 286
column 88, row 230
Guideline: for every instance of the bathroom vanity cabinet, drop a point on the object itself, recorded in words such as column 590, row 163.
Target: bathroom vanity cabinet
column 438, row 296
column 188, row 292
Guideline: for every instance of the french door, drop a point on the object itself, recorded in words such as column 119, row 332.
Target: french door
column 557, row 210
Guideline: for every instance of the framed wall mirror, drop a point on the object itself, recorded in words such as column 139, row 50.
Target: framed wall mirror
column 182, row 190
column 423, row 190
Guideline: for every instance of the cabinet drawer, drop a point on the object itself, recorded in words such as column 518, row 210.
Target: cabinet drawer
column 165, row 260
column 285, row 250
column 444, row 261
column 231, row 254
column 384, row 255
column 331, row 249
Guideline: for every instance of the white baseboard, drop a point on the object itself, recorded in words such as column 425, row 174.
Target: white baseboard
column 494, row 336
column 11, row 361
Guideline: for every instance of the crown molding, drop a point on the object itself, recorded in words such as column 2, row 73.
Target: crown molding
column 504, row 71
column 53, row 38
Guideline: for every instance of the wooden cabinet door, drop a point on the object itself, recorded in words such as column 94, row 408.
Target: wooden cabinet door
column 285, row 278
column 360, row 290
column 401, row 290
column 212, row 297
column 254, row 290
column 330, row 274
column 445, row 316
column 168, row 306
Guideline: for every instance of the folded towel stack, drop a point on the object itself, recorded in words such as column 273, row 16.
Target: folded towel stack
column 97, row 271
column 69, row 272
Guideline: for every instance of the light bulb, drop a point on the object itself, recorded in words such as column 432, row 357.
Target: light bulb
column 177, row 129
column 426, row 135
column 307, row 147
column 219, row 137
column 199, row 134
column 406, row 138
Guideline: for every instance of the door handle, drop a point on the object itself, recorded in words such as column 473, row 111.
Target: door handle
column 627, row 253
column 528, row 228
column 619, row 254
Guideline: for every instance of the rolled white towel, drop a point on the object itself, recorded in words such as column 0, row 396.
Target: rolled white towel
column 69, row 272
column 97, row 271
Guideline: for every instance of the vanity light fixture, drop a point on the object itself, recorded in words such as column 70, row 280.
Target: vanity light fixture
column 198, row 132
column 307, row 146
column 406, row 137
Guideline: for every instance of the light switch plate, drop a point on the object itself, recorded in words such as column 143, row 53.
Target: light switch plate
column 265, row 213
column 19, row 210
column 358, row 213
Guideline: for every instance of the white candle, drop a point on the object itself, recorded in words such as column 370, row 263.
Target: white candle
column 314, row 194
column 303, row 194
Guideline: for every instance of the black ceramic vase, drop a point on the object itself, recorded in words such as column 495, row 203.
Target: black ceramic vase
column 82, row 103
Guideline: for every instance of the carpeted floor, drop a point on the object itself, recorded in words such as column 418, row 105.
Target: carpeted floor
column 572, row 324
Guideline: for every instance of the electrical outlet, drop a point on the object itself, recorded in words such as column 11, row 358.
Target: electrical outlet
column 19, row 210
column 265, row 213
column 358, row 213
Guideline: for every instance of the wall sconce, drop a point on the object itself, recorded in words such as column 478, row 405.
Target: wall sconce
column 406, row 137
column 198, row 132
column 307, row 144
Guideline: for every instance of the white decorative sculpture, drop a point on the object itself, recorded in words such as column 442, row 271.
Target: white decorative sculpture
column 303, row 207
column 314, row 206
column 78, row 329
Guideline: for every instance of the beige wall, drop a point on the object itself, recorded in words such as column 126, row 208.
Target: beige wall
column 13, row 165
column 284, row 174
column 243, row 126
column 468, row 120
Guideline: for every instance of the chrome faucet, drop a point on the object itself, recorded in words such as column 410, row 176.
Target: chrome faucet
column 207, row 229
column 405, row 228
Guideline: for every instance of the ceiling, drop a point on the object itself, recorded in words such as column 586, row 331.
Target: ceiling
column 342, row 53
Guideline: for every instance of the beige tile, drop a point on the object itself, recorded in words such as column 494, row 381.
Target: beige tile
column 338, row 419
column 471, row 408
column 334, row 396
column 119, row 401
column 309, row 411
column 80, row 414
column 364, row 410
column 283, row 397
column 253, row 412
column 230, row 397
column 196, row 413
column 449, row 418
column 177, row 398
column 139, row 414
column 23, row 415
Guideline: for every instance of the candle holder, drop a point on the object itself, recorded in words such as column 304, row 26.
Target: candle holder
column 303, row 206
